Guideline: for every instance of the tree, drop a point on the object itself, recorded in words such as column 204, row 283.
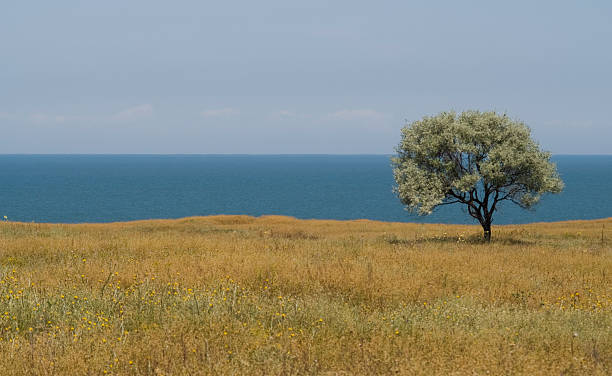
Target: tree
column 477, row 159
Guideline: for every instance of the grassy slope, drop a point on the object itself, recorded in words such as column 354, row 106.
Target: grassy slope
column 271, row 295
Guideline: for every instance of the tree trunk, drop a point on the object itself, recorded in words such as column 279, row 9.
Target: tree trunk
column 486, row 227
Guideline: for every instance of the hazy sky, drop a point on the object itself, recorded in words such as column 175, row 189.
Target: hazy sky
column 296, row 77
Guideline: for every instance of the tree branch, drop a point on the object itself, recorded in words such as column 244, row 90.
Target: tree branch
column 451, row 202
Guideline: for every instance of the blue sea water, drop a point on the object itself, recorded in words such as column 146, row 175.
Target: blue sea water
column 106, row 188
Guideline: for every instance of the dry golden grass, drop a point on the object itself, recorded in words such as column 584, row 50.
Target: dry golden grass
column 276, row 295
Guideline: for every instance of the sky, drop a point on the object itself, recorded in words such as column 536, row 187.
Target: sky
column 278, row 77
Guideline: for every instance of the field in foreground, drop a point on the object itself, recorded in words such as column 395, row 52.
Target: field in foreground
column 276, row 295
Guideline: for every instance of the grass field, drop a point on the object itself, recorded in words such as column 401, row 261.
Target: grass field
column 276, row 295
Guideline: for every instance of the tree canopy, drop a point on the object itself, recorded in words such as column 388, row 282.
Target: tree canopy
column 477, row 159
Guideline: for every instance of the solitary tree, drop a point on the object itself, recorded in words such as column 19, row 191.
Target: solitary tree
column 477, row 159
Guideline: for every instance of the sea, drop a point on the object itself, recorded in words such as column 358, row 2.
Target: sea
column 110, row 188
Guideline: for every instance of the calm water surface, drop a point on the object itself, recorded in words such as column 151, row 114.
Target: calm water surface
column 105, row 188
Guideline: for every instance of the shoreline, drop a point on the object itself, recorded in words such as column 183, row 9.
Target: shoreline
column 286, row 218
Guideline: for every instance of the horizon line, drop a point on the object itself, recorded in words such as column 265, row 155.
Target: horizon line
column 255, row 154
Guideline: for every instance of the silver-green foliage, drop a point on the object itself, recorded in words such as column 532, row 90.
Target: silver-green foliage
column 474, row 158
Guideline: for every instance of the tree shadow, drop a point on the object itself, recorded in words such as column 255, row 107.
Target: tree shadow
column 453, row 239
column 512, row 241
